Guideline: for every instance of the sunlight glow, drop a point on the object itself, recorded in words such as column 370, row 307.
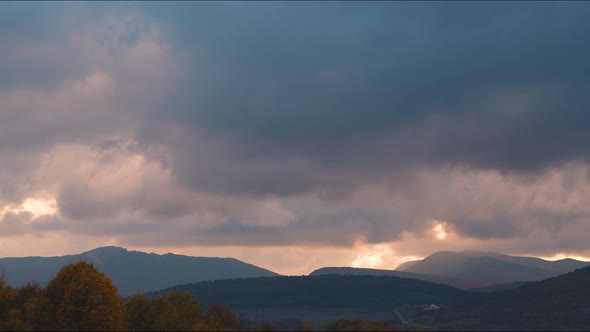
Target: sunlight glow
column 439, row 230
column 36, row 206
column 560, row 256
column 378, row 256
column 371, row 256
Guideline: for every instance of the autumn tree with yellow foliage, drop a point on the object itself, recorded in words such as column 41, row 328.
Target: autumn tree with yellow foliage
column 81, row 298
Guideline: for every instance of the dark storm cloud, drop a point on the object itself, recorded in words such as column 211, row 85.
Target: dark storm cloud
column 16, row 69
column 489, row 229
column 375, row 87
column 26, row 28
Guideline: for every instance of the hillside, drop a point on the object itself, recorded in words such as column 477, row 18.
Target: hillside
column 323, row 298
column 406, row 265
column 473, row 265
column 500, row 287
column 559, row 303
column 133, row 271
column 455, row 282
column 323, row 290
column 556, row 303
column 566, row 292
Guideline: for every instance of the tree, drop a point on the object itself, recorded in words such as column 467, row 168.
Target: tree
column 6, row 300
column 139, row 313
column 33, row 309
column 219, row 318
column 14, row 322
column 176, row 311
column 267, row 326
column 306, row 327
column 83, row 299
column 358, row 325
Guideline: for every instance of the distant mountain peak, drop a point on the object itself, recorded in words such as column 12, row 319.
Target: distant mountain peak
column 107, row 249
column 477, row 252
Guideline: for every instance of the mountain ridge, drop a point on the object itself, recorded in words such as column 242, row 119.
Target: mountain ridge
column 478, row 265
column 133, row 271
column 451, row 281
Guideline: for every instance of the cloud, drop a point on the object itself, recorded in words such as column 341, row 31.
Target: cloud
column 299, row 125
column 408, row 86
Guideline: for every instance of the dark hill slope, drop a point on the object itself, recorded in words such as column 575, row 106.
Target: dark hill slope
column 321, row 299
column 559, row 303
column 323, row 290
column 570, row 291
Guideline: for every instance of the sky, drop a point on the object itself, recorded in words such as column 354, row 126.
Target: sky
column 295, row 135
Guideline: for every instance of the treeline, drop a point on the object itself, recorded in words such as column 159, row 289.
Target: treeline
column 81, row 298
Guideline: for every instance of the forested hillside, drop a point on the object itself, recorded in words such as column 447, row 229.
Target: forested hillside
column 323, row 290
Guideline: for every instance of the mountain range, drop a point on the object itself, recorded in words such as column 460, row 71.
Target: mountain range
column 499, row 292
column 135, row 272
column 132, row 271
column 489, row 266
column 484, row 271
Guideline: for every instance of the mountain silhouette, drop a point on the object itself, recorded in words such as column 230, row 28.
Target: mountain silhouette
column 133, row 271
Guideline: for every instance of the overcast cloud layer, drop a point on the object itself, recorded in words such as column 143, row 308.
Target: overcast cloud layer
column 351, row 132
